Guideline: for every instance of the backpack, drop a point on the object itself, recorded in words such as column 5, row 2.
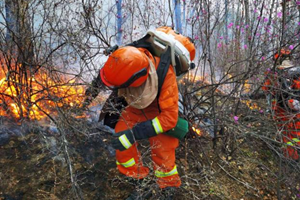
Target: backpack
column 158, row 44
column 165, row 46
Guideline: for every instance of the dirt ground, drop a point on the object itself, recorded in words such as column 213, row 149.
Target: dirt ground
column 35, row 167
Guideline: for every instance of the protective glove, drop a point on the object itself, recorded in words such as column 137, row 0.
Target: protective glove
column 125, row 139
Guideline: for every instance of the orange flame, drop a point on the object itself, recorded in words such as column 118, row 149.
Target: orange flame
column 251, row 105
column 247, row 86
column 43, row 96
column 191, row 77
column 197, row 131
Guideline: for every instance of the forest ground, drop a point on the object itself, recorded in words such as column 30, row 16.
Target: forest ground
column 32, row 167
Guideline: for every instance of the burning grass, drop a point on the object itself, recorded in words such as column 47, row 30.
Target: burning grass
column 38, row 95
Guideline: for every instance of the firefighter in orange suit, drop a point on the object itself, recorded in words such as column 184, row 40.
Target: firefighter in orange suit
column 284, row 87
column 133, row 72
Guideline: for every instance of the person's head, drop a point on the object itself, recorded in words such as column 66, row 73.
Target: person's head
column 131, row 70
column 292, row 76
column 283, row 59
column 281, row 55
column 126, row 67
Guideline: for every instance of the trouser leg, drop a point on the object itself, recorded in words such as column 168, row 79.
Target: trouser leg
column 163, row 156
column 129, row 161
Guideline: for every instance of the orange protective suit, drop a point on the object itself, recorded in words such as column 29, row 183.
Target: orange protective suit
column 288, row 122
column 129, row 162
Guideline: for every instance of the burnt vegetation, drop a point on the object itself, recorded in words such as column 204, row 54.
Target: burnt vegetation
column 53, row 148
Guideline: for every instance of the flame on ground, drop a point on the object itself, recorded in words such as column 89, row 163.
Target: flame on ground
column 37, row 97
column 251, row 105
column 197, row 131
column 191, row 77
column 247, row 86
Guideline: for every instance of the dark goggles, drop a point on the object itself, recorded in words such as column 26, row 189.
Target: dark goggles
column 134, row 77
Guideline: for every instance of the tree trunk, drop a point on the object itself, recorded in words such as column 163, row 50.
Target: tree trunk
column 119, row 21
column 177, row 11
column 226, row 21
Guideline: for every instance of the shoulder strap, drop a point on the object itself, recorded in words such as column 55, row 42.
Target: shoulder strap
column 162, row 69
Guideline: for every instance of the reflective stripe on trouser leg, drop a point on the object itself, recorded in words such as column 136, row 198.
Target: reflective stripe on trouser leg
column 157, row 127
column 160, row 174
column 163, row 156
column 127, row 164
column 296, row 140
column 290, row 150
column 291, row 143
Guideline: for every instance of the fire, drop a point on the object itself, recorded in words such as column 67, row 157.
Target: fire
column 38, row 97
column 247, row 86
column 192, row 78
column 197, row 131
column 197, row 78
column 251, row 105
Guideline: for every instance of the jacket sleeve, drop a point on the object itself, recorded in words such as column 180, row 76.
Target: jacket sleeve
column 168, row 104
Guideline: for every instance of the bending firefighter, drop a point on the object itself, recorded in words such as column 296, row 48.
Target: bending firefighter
column 152, row 108
column 284, row 87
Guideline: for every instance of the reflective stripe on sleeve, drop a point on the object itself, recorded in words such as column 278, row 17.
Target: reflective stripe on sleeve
column 125, row 142
column 129, row 163
column 157, row 127
column 165, row 174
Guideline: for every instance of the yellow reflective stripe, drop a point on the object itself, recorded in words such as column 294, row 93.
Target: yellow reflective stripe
column 157, row 126
column 292, row 142
column 296, row 140
column 165, row 174
column 129, row 163
column 125, row 142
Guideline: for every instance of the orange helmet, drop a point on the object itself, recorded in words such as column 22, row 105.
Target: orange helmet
column 126, row 67
column 284, row 52
column 185, row 41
